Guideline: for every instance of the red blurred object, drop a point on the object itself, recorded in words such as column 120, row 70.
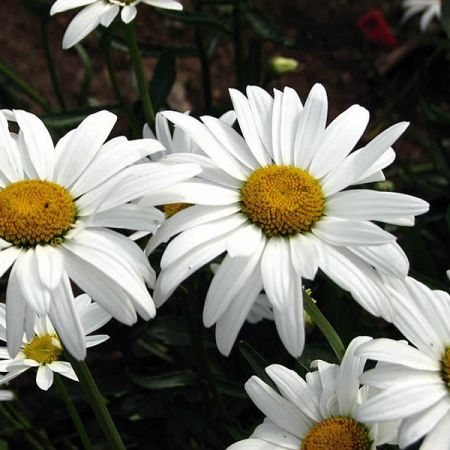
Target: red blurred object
column 375, row 28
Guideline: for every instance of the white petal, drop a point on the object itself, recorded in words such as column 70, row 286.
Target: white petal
column 50, row 264
column 228, row 281
column 93, row 318
column 279, row 410
column 7, row 258
column 165, row 4
column 109, row 15
column 276, row 436
column 439, row 437
column 65, row 319
column 208, row 143
column 311, row 126
column 10, row 161
column 65, row 5
column 304, row 255
column 351, row 368
column 290, row 115
column 64, row 368
column 230, row 323
column 189, row 218
column 339, row 139
column 96, row 339
column 248, row 126
column 193, row 237
column 396, row 352
column 83, row 23
column 39, row 144
column 344, row 232
column 128, row 13
column 244, row 241
column 83, row 146
column 15, row 313
column 254, row 444
column 278, row 274
column 364, row 204
column 44, row 377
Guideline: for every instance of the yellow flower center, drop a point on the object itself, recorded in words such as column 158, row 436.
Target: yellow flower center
column 282, row 200
column 173, row 208
column 35, row 212
column 445, row 364
column 337, row 433
column 43, row 349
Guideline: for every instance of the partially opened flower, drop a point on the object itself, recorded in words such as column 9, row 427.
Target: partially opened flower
column 55, row 205
column 414, row 379
column 317, row 413
column 274, row 200
column 429, row 9
column 101, row 12
column 44, row 349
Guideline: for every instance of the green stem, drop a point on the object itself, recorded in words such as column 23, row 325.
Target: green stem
column 63, row 392
column 106, row 47
column 238, row 51
column 97, row 403
column 130, row 38
column 325, row 327
column 51, row 64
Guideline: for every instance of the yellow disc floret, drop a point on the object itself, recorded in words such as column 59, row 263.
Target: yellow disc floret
column 445, row 364
column 282, row 200
column 43, row 349
column 337, row 433
column 173, row 208
column 35, row 212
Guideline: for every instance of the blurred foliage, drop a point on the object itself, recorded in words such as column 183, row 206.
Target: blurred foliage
column 167, row 385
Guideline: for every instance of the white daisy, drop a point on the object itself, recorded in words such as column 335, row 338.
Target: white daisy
column 101, row 12
column 55, row 205
column 44, row 350
column 429, row 8
column 415, row 382
column 274, row 201
column 315, row 413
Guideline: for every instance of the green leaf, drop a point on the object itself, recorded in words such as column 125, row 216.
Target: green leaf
column 256, row 361
column 231, row 388
column 87, row 66
column 166, row 381
column 3, row 445
column 445, row 16
column 163, row 79
column 71, row 119
column 19, row 84
column 262, row 25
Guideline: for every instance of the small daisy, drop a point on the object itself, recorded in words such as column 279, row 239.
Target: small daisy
column 55, row 205
column 274, row 200
column 415, row 380
column 317, row 413
column 101, row 12
column 44, row 349
column 429, row 8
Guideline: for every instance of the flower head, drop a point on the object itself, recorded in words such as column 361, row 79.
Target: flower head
column 317, row 413
column 43, row 349
column 414, row 379
column 273, row 198
column 429, row 9
column 101, row 12
column 55, row 205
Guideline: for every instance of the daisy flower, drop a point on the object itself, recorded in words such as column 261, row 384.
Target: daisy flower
column 317, row 413
column 429, row 8
column 101, row 12
column 44, row 350
column 273, row 198
column 55, row 205
column 414, row 379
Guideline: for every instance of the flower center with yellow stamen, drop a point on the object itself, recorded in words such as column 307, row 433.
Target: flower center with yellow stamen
column 337, row 433
column 445, row 364
column 173, row 208
column 35, row 212
column 43, row 349
column 282, row 200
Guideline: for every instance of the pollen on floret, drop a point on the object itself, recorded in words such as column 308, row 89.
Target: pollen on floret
column 337, row 433
column 172, row 208
column 445, row 368
column 282, row 200
column 43, row 349
column 35, row 212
